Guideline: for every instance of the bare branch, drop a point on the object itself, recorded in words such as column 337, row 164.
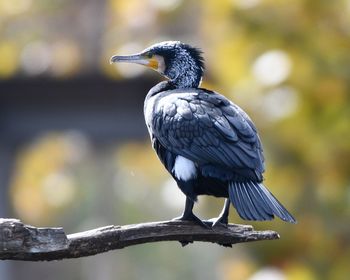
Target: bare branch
column 23, row 242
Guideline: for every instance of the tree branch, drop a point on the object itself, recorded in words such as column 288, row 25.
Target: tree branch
column 23, row 242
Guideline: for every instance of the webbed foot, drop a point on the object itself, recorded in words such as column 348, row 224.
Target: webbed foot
column 193, row 218
column 222, row 220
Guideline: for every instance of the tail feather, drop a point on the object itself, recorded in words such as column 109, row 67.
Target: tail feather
column 276, row 206
column 247, row 210
column 254, row 202
column 254, row 212
column 258, row 204
column 235, row 199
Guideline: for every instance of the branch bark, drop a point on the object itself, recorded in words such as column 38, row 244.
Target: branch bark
column 28, row 243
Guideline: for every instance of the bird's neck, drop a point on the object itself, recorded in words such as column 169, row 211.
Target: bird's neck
column 186, row 74
column 181, row 82
column 189, row 80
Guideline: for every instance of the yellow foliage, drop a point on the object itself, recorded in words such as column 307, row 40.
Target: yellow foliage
column 298, row 271
column 236, row 269
column 231, row 60
column 40, row 185
column 141, row 160
column 8, row 59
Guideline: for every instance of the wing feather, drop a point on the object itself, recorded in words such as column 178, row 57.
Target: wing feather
column 207, row 128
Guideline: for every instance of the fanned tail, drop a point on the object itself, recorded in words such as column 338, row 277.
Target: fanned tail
column 254, row 202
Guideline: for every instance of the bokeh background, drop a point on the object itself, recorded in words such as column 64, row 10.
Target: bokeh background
column 74, row 151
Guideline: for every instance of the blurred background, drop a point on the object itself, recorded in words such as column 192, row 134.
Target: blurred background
column 74, row 150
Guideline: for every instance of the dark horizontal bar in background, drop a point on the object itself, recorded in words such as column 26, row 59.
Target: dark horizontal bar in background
column 103, row 109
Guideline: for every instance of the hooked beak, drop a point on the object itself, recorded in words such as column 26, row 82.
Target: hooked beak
column 136, row 58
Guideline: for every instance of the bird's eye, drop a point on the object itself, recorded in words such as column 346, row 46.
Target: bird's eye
column 149, row 55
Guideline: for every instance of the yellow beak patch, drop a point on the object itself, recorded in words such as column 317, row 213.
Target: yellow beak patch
column 153, row 63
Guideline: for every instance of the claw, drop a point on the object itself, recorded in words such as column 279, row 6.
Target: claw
column 219, row 222
column 222, row 220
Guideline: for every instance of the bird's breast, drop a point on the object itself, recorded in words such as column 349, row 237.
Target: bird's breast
column 162, row 105
column 149, row 108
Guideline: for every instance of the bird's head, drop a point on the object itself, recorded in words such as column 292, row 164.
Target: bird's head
column 182, row 64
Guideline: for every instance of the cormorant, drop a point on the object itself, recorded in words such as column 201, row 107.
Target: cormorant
column 206, row 142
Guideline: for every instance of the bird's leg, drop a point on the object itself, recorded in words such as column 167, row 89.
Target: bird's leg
column 223, row 217
column 188, row 215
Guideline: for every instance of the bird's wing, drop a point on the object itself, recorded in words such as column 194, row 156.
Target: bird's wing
column 208, row 129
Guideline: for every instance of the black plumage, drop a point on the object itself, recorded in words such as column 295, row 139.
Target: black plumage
column 207, row 143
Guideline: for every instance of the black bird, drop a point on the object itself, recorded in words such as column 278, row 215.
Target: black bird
column 206, row 142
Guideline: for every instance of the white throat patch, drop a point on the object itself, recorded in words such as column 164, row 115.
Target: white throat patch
column 161, row 64
column 184, row 169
